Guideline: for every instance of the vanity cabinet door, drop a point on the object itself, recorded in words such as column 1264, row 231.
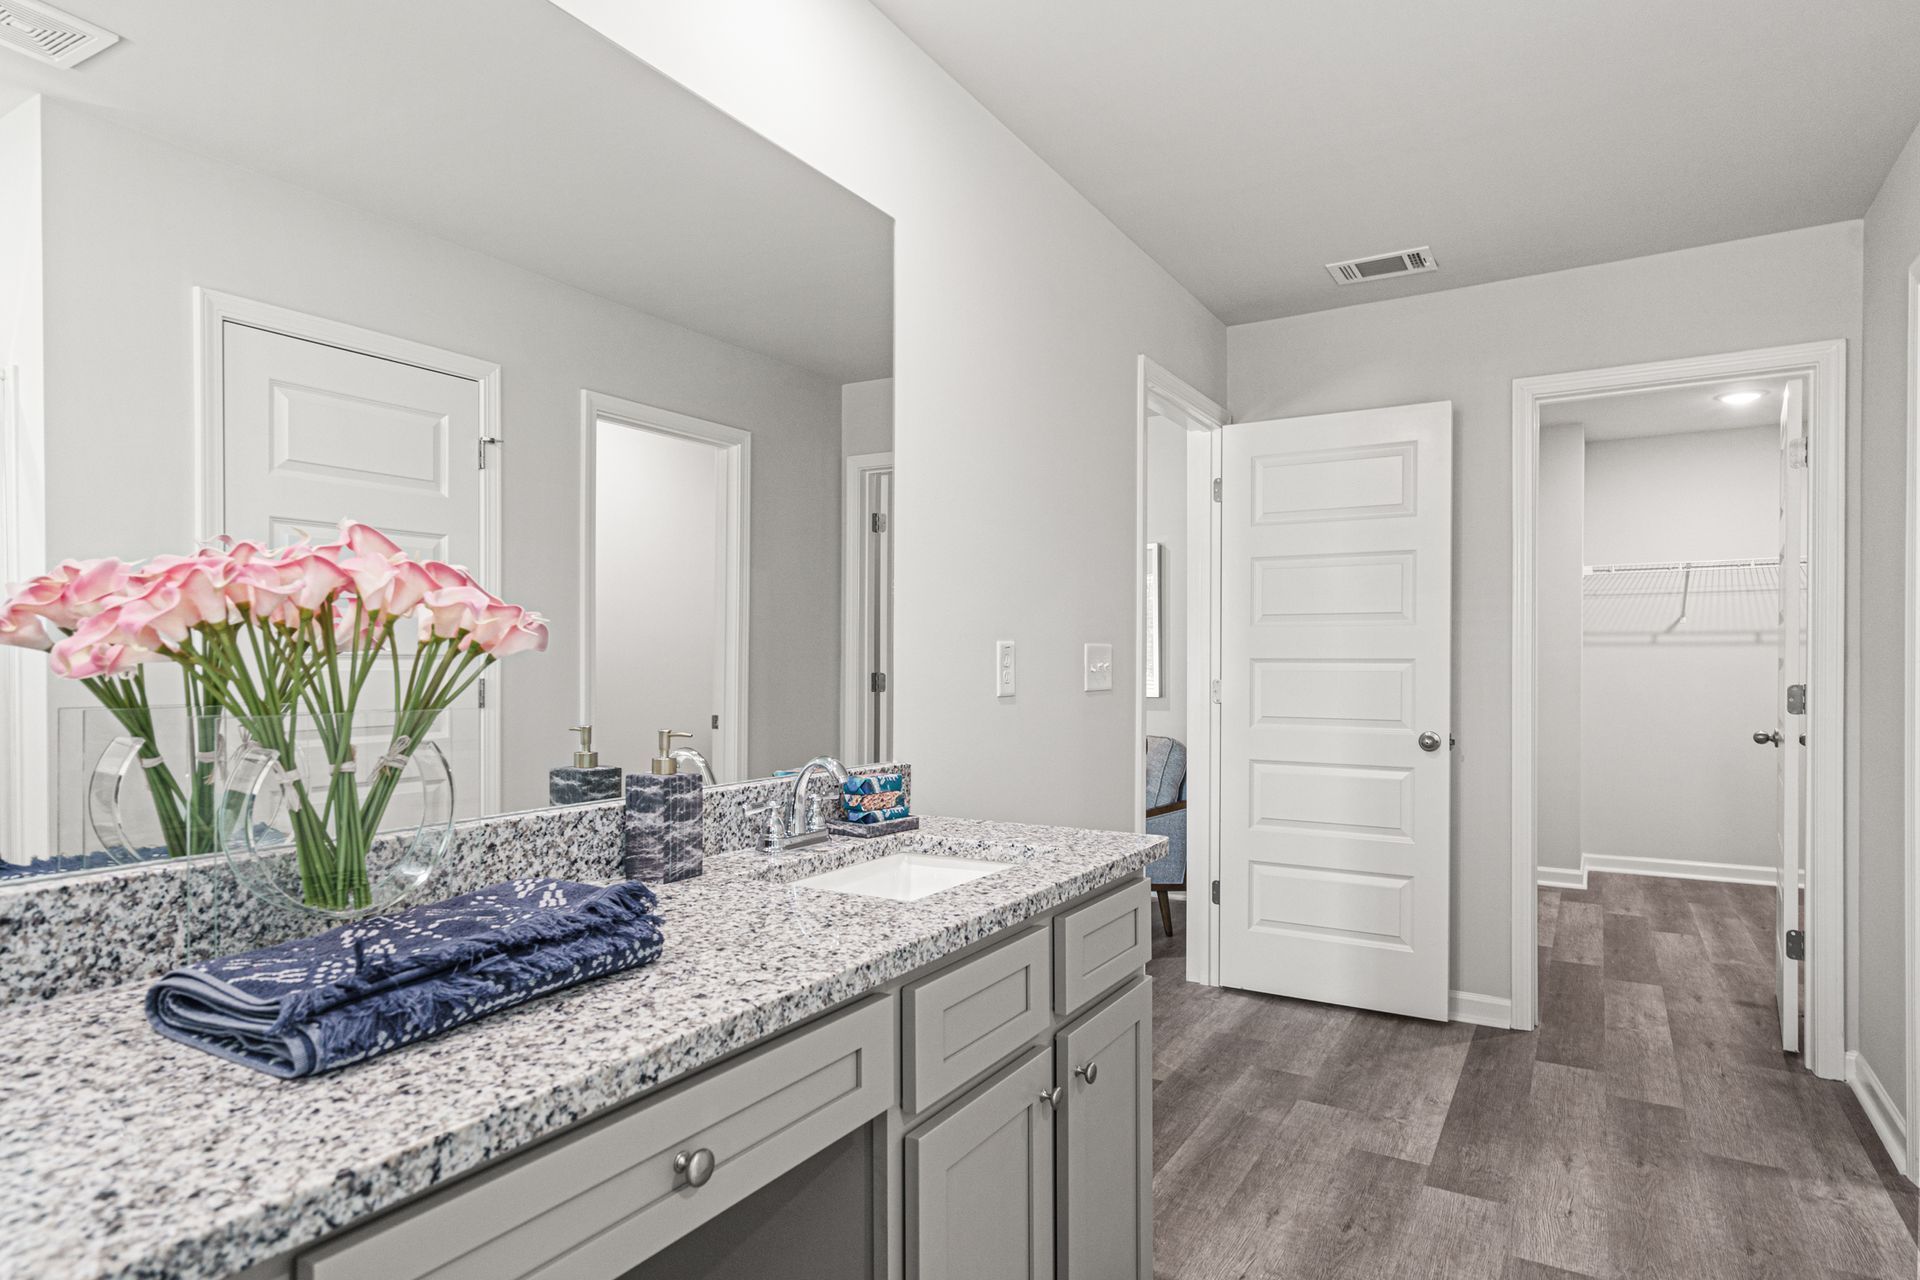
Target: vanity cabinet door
column 1104, row 1066
column 979, row 1182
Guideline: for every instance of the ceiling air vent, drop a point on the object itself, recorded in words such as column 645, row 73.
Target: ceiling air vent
column 48, row 35
column 1406, row 262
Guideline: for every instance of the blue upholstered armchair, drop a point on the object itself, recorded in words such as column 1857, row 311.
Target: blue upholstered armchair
column 1167, row 816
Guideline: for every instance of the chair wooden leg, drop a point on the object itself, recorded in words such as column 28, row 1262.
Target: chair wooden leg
column 1166, row 907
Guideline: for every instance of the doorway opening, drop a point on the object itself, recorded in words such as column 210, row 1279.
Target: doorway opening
column 1678, row 535
column 663, row 590
column 1176, row 594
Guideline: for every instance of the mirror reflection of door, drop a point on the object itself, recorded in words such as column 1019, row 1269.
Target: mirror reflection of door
column 324, row 422
column 663, row 524
column 866, row 730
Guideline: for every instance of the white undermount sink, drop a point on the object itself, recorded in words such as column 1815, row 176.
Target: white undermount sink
column 903, row 877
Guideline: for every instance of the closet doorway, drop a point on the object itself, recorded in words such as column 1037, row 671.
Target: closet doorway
column 1678, row 575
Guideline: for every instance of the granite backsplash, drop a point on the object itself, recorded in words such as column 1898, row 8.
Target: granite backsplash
column 97, row 929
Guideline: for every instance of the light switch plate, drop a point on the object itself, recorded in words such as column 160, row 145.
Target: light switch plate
column 1099, row 668
column 1003, row 669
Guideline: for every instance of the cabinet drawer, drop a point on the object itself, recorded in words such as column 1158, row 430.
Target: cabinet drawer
column 595, row 1202
column 960, row 1022
column 1101, row 945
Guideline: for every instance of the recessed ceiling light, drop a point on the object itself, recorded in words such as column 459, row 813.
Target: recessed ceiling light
column 1740, row 397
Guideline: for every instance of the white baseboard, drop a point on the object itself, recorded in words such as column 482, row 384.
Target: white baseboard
column 1669, row 868
column 1562, row 877
column 1879, row 1107
column 1482, row 1011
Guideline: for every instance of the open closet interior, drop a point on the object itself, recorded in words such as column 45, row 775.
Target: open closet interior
column 1661, row 578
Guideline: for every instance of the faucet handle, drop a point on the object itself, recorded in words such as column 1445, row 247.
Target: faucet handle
column 774, row 839
column 816, row 819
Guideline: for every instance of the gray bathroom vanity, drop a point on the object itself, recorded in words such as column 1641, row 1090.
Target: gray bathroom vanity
column 811, row 1082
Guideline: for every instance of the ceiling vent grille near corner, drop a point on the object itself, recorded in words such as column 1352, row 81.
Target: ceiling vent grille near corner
column 1404, row 263
column 50, row 35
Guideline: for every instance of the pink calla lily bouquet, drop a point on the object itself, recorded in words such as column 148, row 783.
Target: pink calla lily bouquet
column 272, row 637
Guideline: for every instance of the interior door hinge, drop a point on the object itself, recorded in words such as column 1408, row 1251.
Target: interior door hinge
column 484, row 442
column 1796, row 945
column 1216, row 893
column 1797, row 452
column 879, row 522
column 482, row 688
column 877, row 682
column 1796, row 699
column 1216, row 693
column 1216, row 488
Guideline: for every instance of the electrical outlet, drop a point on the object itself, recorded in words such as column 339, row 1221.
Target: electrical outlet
column 1099, row 668
column 1003, row 669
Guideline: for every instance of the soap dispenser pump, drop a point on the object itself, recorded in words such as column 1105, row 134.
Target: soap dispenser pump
column 664, row 763
column 663, row 835
column 586, row 780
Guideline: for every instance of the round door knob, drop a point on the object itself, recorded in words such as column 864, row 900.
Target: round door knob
column 1089, row 1073
column 1771, row 738
column 1051, row 1097
column 697, row 1166
column 1429, row 742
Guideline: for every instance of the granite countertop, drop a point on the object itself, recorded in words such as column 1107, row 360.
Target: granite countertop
column 124, row 1154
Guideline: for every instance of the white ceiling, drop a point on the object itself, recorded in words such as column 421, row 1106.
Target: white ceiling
column 1671, row 411
column 1246, row 143
column 580, row 163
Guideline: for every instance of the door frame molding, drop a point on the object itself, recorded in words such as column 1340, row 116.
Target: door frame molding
column 1157, row 390
column 853, row 596
column 1824, row 366
column 1912, row 1134
column 736, row 450
column 212, row 309
column 26, row 718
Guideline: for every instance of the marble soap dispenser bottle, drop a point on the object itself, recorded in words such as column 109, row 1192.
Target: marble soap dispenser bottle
column 587, row 780
column 662, row 837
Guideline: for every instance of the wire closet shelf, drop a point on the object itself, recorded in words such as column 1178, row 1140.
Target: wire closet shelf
column 1682, row 602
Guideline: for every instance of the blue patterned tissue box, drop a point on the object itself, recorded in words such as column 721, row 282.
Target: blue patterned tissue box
column 874, row 798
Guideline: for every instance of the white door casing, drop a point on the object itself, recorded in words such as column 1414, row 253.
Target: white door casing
column 1789, row 724
column 1335, row 667
column 305, row 430
column 866, row 616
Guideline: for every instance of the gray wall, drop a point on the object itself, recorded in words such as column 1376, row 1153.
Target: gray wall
column 1668, row 765
column 132, row 225
column 1878, row 1016
column 1020, row 314
column 1467, row 346
column 866, row 417
column 1558, row 563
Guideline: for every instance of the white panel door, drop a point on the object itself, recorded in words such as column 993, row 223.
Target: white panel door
column 1336, row 580
column 1790, row 724
column 314, row 434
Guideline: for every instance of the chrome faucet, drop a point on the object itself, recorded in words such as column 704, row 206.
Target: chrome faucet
column 805, row 823
column 684, row 756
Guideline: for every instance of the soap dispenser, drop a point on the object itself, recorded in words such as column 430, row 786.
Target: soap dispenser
column 662, row 837
column 587, row 780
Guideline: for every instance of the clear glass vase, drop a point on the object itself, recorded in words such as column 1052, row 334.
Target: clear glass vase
column 139, row 786
column 342, row 816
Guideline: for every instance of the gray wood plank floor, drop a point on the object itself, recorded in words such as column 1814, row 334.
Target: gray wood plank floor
column 1650, row 1128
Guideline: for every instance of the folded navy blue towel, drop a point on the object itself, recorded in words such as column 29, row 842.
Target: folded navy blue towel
column 302, row 1007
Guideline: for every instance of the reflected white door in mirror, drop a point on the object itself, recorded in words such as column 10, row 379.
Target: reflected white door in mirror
column 308, row 422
